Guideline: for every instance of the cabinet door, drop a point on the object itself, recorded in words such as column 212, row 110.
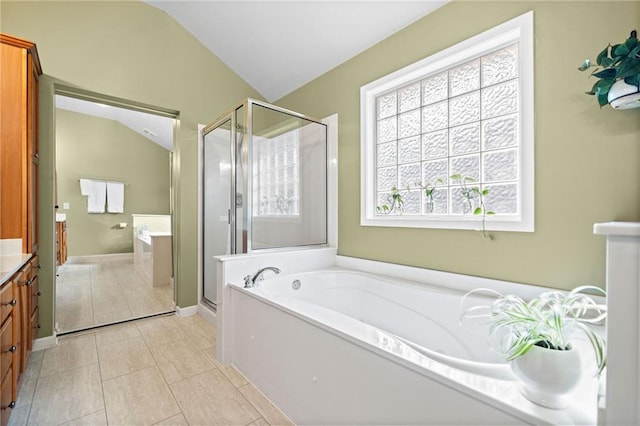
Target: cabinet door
column 32, row 156
column 6, row 347
column 6, row 398
column 18, row 283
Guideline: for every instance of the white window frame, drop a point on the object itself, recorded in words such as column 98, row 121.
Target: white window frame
column 518, row 30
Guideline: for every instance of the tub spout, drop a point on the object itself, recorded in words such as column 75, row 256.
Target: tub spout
column 250, row 281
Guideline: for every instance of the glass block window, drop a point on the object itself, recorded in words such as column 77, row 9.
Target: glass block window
column 276, row 179
column 460, row 119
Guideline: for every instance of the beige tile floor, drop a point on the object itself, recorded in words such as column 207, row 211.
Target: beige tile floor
column 157, row 371
column 89, row 294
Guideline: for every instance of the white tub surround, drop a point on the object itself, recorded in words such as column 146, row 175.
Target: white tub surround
column 233, row 269
column 621, row 405
column 152, row 254
column 307, row 352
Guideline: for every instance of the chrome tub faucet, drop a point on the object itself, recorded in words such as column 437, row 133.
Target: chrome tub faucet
column 250, row 281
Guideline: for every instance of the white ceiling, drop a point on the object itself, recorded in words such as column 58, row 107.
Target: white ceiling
column 278, row 46
column 156, row 128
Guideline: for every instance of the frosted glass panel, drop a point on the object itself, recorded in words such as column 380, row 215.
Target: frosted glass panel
column 384, row 198
column 408, row 175
column 464, row 109
column 409, row 150
column 465, row 139
column 500, row 66
column 387, row 154
column 500, row 165
column 387, row 178
column 434, row 170
column 461, row 204
column 409, row 124
column 466, row 166
column 435, row 89
column 435, row 117
column 440, row 202
column 435, row 144
column 409, row 97
column 501, row 132
column 502, row 198
column 464, row 78
column 500, row 100
column 387, row 129
column 387, row 105
column 411, row 202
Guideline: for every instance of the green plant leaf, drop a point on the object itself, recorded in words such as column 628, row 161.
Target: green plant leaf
column 602, row 55
column 634, row 80
column 628, row 69
column 635, row 52
column 477, row 211
column 606, row 74
column 631, row 43
column 490, row 213
column 585, row 65
column 620, row 50
column 485, row 192
column 603, row 99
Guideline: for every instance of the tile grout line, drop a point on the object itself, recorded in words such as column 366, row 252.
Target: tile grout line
column 163, row 378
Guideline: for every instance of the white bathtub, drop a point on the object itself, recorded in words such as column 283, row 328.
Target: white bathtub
column 349, row 347
column 425, row 319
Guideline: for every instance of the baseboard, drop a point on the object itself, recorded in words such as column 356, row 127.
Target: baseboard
column 45, row 343
column 99, row 258
column 186, row 311
column 208, row 314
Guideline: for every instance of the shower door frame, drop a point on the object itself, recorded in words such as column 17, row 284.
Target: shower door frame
column 247, row 141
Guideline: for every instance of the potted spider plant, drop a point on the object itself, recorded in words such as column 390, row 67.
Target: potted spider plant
column 538, row 337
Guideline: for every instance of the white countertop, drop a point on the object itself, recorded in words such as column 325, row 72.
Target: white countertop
column 9, row 265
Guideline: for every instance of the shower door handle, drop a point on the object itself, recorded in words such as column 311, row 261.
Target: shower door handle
column 229, row 216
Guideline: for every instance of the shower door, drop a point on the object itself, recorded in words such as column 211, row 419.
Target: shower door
column 217, row 173
column 265, row 184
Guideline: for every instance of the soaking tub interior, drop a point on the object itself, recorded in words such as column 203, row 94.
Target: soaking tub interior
column 337, row 345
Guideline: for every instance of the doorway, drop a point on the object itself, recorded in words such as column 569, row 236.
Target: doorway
column 114, row 211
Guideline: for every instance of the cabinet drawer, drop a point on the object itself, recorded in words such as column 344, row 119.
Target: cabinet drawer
column 6, row 347
column 7, row 302
column 6, row 398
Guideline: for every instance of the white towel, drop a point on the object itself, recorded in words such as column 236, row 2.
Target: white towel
column 115, row 197
column 85, row 187
column 97, row 197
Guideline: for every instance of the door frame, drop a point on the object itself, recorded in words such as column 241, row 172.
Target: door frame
column 47, row 221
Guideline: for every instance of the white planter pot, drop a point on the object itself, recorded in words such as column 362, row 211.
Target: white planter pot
column 547, row 376
column 623, row 96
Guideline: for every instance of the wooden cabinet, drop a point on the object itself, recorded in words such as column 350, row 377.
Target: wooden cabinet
column 61, row 242
column 19, row 72
column 8, row 347
column 18, row 329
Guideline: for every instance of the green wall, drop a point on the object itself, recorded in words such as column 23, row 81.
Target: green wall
column 98, row 148
column 133, row 51
column 587, row 159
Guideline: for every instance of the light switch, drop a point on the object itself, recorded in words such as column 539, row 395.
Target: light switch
column 65, row 206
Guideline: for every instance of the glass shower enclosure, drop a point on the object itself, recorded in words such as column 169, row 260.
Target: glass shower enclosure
column 264, row 184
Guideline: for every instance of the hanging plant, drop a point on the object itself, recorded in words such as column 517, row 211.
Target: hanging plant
column 616, row 63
